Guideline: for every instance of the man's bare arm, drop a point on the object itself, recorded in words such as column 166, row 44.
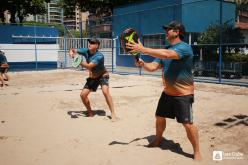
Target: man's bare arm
column 150, row 67
column 157, row 53
column 87, row 66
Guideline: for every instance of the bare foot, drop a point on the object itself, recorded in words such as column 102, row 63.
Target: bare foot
column 113, row 118
column 90, row 114
column 197, row 156
column 155, row 143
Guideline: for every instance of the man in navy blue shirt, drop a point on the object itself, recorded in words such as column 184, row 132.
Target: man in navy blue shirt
column 98, row 75
column 3, row 68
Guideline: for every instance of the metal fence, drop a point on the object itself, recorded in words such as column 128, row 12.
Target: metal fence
column 222, row 62
column 46, row 55
column 106, row 47
column 231, row 69
column 52, row 53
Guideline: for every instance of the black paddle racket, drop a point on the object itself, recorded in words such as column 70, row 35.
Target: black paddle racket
column 129, row 35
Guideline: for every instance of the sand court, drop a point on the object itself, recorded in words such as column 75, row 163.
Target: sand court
column 42, row 121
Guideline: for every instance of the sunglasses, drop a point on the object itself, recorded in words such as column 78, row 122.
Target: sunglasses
column 168, row 29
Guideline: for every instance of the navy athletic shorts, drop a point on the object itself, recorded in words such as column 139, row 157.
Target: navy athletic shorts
column 179, row 107
column 92, row 84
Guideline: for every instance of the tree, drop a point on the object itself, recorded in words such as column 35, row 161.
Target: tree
column 98, row 7
column 211, row 37
column 3, row 7
column 212, row 34
column 21, row 8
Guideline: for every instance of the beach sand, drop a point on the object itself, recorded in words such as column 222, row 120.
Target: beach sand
column 42, row 122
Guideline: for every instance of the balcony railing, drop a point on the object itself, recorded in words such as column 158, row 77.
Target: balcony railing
column 101, row 28
column 243, row 13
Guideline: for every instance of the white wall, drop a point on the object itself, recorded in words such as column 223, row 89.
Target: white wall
column 27, row 53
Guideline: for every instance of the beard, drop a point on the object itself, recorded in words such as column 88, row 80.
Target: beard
column 171, row 37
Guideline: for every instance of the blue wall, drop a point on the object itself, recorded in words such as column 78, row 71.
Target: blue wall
column 148, row 17
column 197, row 16
column 6, row 32
column 25, row 66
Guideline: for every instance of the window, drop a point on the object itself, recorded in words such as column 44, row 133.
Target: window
column 154, row 40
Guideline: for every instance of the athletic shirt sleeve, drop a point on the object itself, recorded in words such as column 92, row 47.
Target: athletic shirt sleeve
column 97, row 59
column 182, row 50
column 6, row 61
column 83, row 52
column 3, row 59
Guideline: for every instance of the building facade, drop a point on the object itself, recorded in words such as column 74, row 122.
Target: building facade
column 55, row 15
column 99, row 26
column 242, row 23
column 76, row 21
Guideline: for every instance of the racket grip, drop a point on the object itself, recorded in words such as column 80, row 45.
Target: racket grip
column 136, row 58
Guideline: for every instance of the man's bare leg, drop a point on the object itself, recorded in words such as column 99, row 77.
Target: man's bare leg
column 6, row 77
column 160, row 127
column 2, row 80
column 109, row 100
column 84, row 97
column 192, row 134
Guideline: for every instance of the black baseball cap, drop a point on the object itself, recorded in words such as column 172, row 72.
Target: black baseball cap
column 93, row 41
column 2, row 52
column 175, row 25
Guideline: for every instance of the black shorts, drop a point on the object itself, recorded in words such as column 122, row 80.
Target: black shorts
column 179, row 107
column 92, row 84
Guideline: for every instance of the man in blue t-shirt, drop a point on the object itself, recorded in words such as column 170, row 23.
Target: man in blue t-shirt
column 178, row 95
column 98, row 75
column 3, row 69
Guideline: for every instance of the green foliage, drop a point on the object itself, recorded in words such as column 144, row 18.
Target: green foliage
column 229, row 34
column 236, row 57
column 33, row 23
column 57, row 26
column 75, row 33
column 98, row 7
column 21, row 8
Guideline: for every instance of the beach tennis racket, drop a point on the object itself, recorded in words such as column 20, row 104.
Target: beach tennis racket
column 129, row 35
column 77, row 61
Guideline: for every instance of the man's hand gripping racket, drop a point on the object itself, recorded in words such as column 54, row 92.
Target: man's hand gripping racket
column 77, row 59
column 129, row 36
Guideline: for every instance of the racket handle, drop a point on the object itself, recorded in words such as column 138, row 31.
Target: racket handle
column 137, row 58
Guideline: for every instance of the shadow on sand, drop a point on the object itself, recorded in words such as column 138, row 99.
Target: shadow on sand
column 165, row 145
column 233, row 121
column 77, row 114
